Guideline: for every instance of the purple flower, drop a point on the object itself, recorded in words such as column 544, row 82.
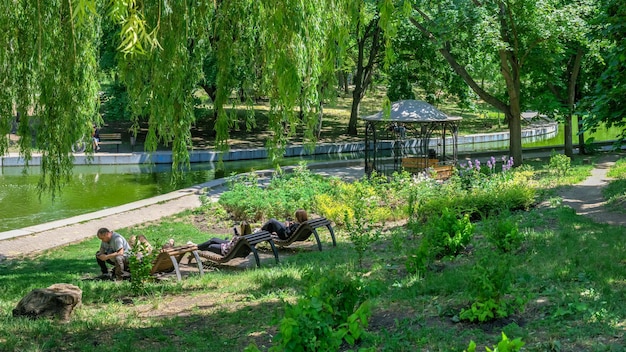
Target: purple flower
column 477, row 164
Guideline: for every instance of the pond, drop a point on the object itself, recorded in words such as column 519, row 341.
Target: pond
column 97, row 187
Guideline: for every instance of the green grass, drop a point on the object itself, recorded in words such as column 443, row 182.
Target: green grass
column 568, row 270
column 615, row 191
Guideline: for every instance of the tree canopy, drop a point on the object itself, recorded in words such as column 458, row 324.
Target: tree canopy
column 288, row 51
column 51, row 80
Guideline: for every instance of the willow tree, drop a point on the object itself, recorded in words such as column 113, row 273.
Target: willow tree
column 290, row 48
column 48, row 76
column 503, row 34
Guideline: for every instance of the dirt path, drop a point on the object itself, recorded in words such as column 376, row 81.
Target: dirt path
column 586, row 197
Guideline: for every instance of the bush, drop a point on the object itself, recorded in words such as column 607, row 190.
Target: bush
column 448, row 234
column 334, row 309
column 245, row 200
column 490, row 284
column 560, row 164
column 502, row 231
column 505, row 345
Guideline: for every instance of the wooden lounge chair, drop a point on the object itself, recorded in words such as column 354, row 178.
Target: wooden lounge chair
column 169, row 259
column 242, row 248
column 305, row 230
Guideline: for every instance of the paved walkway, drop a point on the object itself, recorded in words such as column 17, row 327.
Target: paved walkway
column 38, row 238
column 585, row 198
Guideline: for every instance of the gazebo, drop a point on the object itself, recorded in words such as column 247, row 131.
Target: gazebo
column 419, row 137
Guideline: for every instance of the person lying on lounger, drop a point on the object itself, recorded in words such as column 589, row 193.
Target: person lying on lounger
column 283, row 231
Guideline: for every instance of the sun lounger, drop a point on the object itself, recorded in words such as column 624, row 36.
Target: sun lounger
column 242, row 248
column 305, row 230
column 169, row 259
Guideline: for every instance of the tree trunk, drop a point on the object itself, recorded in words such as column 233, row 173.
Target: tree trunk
column 362, row 77
column 581, row 137
column 571, row 99
column 354, row 110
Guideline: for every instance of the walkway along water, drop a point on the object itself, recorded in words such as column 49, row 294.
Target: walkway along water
column 34, row 239
column 585, row 198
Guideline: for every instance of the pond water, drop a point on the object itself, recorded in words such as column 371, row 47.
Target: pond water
column 97, row 187
column 602, row 134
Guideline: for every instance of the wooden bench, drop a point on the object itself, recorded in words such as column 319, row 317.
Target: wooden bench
column 414, row 163
column 305, row 230
column 111, row 138
column 443, row 172
column 242, row 248
column 169, row 259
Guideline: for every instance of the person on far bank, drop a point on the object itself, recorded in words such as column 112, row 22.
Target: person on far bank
column 114, row 250
column 95, row 138
column 283, row 231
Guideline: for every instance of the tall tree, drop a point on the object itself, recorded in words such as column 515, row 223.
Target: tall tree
column 503, row 33
column 50, row 67
column 48, row 71
column 369, row 44
column 417, row 63
column 608, row 105
column 559, row 65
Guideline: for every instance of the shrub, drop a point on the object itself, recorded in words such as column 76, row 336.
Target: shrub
column 140, row 265
column 490, row 284
column 502, row 231
column 245, row 200
column 334, row 309
column 361, row 227
column 505, row 345
column 560, row 164
column 297, row 190
column 448, row 234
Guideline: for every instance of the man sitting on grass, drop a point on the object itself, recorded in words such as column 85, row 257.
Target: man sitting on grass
column 114, row 249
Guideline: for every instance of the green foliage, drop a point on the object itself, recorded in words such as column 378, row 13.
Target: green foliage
column 48, row 68
column 140, row 263
column 490, row 284
column 296, row 190
column 362, row 230
column 334, row 309
column 448, row 234
column 475, row 192
column 560, row 164
column 607, row 104
column 399, row 86
column 503, row 232
column 385, row 197
column 505, row 345
column 418, row 259
column 245, row 200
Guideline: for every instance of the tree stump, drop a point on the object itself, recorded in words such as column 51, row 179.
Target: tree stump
column 56, row 301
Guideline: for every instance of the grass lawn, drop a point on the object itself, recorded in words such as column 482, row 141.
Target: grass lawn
column 567, row 277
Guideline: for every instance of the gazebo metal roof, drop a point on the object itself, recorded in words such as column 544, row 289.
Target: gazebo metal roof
column 411, row 111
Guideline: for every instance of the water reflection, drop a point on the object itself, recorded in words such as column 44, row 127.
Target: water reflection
column 97, row 187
